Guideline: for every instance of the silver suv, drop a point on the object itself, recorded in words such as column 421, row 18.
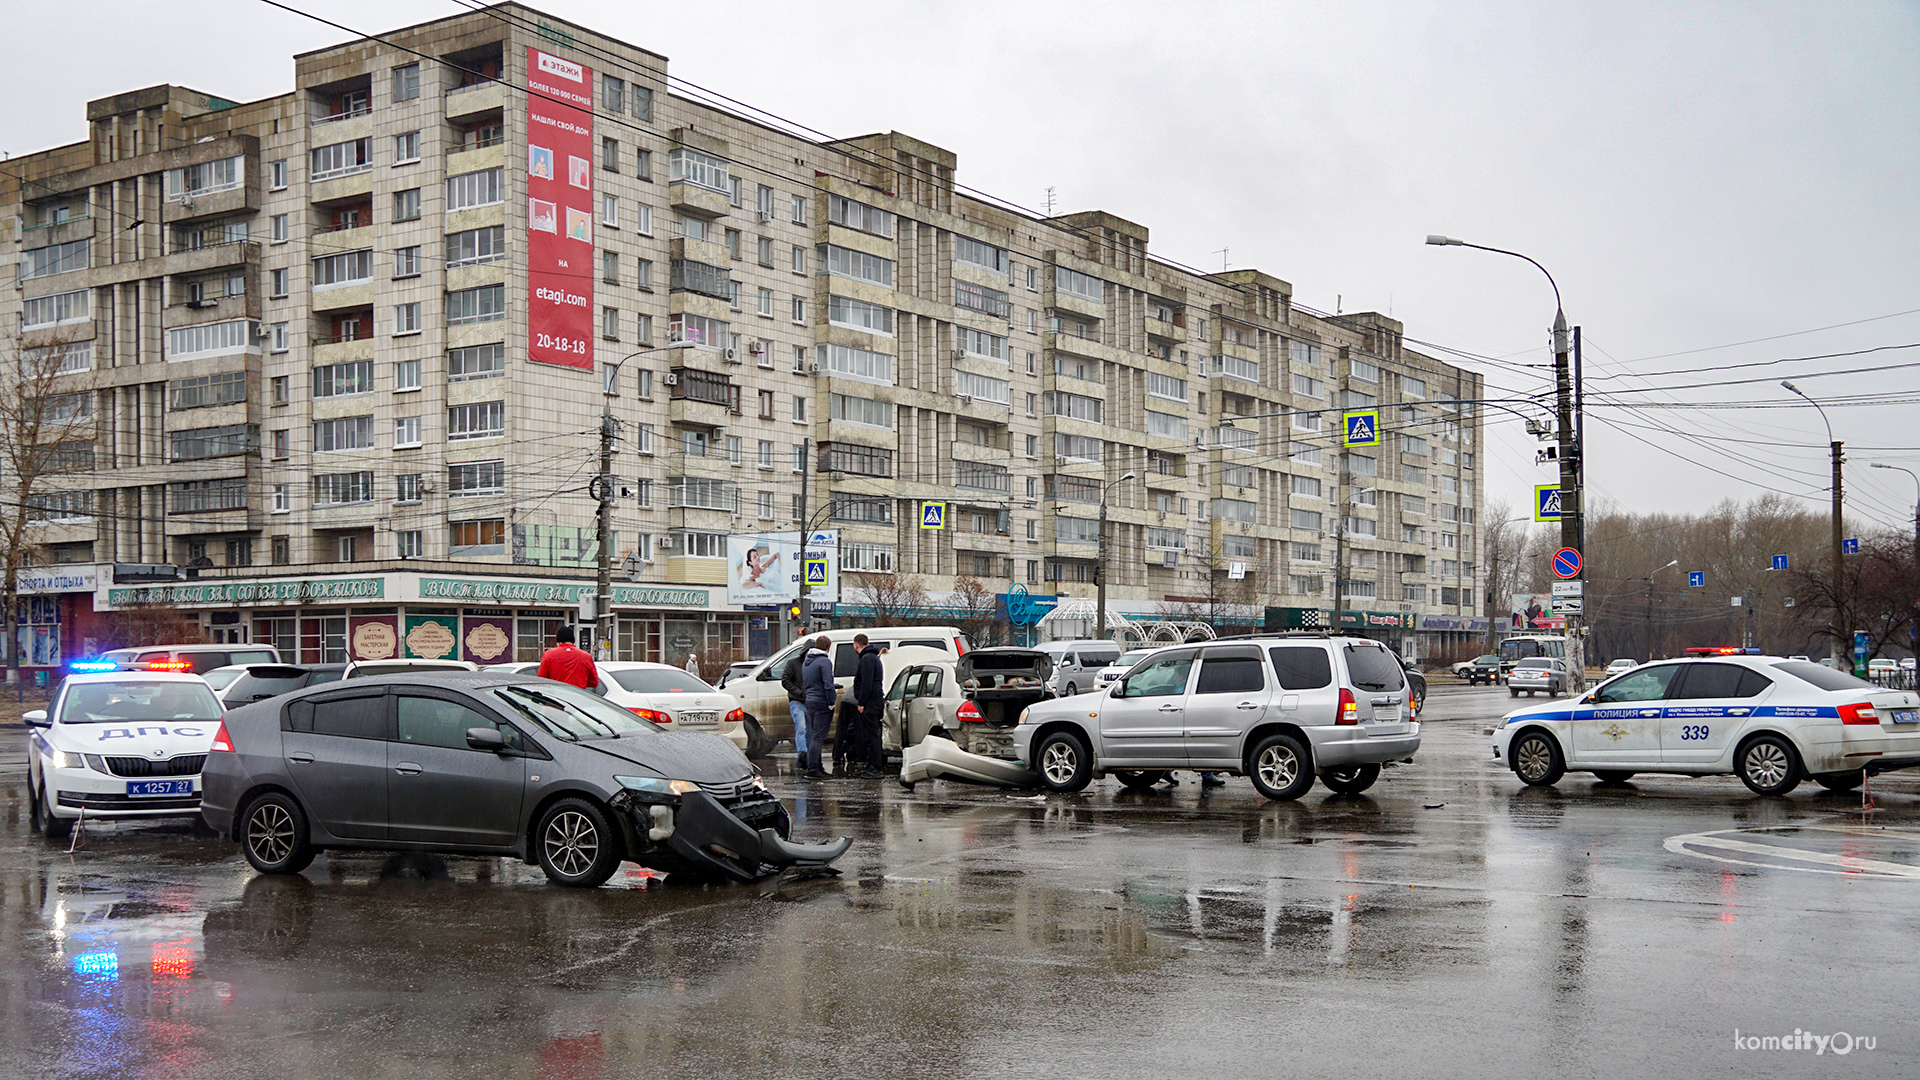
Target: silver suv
column 1281, row 709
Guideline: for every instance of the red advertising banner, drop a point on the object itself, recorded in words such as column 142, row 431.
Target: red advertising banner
column 559, row 211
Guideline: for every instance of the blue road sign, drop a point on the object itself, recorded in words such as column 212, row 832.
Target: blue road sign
column 1779, row 562
column 1566, row 563
column 1363, row 428
column 1696, row 578
column 933, row 515
column 1850, row 546
column 816, row 571
column 1546, row 502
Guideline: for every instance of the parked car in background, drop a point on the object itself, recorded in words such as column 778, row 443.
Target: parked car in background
column 675, row 700
column 1624, row 663
column 1280, row 709
column 263, row 681
column 1106, row 676
column 222, row 677
column 196, row 658
column 734, row 671
column 1882, row 666
column 360, row 669
column 759, row 692
column 955, row 718
column 1076, row 664
column 478, row 763
column 1770, row 721
column 1416, row 682
column 1482, row 670
column 1465, row 667
column 1537, row 674
column 122, row 744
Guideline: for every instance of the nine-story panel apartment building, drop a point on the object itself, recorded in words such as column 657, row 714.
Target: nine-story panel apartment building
column 370, row 324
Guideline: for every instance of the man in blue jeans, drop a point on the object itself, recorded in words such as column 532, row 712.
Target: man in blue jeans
column 816, row 679
column 797, row 699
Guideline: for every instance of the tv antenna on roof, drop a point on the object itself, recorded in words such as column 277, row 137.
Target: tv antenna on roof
column 1223, row 259
column 1049, row 200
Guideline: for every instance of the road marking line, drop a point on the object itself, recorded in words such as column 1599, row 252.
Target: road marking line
column 1845, row 864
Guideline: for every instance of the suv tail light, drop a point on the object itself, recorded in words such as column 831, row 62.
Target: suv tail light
column 221, row 741
column 970, row 713
column 1413, row 707
column 1349, row 708
column 960, row 646
column 1859, row 713
column 654, row 715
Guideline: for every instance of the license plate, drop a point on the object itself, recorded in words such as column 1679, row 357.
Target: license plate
column 149, row 788
column 699, row 718
column 1906, row 716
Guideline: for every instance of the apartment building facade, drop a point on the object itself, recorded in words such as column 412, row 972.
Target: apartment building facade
column 342, row 354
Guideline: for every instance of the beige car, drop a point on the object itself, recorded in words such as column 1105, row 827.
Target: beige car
column 760, row 695
column 955, row 718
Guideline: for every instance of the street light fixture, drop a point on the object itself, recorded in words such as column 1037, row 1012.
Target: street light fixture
column 603, row 578
column 1100, row 567
column 1657, row 569
column 1915, row 629
column 1838, row 629
column 1566, row 379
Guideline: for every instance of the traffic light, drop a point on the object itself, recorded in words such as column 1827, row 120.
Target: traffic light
column 800, row 608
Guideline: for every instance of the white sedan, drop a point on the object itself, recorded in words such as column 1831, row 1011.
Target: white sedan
column 673, row 699
column 1768, row 720
column 119, row 745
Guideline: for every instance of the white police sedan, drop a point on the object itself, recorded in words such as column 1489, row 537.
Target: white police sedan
column 119, row 744
column 1768, row 720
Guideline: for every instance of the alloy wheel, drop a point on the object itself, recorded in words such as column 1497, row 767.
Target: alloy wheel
column 1767, row 763
column 1535, row 759
column 1059, row 763
column 1278, row 766
column 270, row 833
column 572, row 843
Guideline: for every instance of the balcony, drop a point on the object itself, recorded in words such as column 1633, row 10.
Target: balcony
column 694, row 199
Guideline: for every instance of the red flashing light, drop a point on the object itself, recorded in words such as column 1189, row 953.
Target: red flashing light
column 1349, row 708
column 168, row 665
column 969, row 713
column 220, row 740
column 1861, row 712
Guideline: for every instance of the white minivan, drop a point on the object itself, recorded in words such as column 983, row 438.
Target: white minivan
column 1076, row 664
column 759, row 691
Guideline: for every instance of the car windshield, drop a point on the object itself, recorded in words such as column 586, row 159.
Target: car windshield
column 102, row 702
column 1374, row 668
column 570, row 713
column 659, row 681
column 1132, row 658
column 1825, row 678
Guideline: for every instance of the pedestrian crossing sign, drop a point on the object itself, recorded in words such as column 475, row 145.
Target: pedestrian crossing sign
column 933, row 515
column 1363, row 428
column 1546, row 502
column 816, row 571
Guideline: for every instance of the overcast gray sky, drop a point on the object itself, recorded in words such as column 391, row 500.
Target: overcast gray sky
column 1694, row 175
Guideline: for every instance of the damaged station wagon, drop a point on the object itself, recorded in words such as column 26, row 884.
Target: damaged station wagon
column 483, row 763
column 955, row 718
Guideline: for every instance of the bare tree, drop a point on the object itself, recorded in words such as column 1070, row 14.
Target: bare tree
column 147, row 623
column 894, row 599
column 977, row 611
column 46, row 456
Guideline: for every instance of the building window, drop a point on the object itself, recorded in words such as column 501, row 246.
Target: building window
column 406, row 318
column 610, row 267
column 643, row 219
column 485, row 420
column 406, row 488
column 799, row 407
column 978, row 387
column 766, row 404
column 976, row 253
column 339, row 489
column 406, row 82
column 702, row 170
column 864, row 412
column 484, row 187
column 859, row 460
column 281, row 442
column 610, row 211
column 474, row 246
column 766, row 446
column 857, row 215
column 346, row 268
column 343, row 433
column 765, row 306
column 406, row 262
column 279, row 228
column 476, row 478
column 643, row 273
column 339, row 159
column 406, row 375
column 277, row 174
column 1076, row 284
column 277, row 283
column 406, row 432
column 856, row 265
column 860, row 315
column 643, row 165
column 282, row 504
column 613, row 94
column 407, row 544
column 610, row 323
column 471, row 538
column 609, row 155
column 484, row 304
column 406, row 148
column 341, row 380
column 643, row 330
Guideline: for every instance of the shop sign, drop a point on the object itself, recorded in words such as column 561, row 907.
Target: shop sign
column 249, row 592
column 1473, row 624
column 1377, row 620
column 374, row 639
column 430, row 637
column 486, row 640
column 57, row 579
column 549, row 592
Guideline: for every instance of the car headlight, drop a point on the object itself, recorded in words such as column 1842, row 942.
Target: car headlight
column 759, row 782
column 657, row 786
column 67, row 759
column 1023, row 716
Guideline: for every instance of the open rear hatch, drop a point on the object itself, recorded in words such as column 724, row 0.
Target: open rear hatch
column 998, row 683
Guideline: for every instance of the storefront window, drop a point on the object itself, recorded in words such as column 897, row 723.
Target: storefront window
column 323, row 639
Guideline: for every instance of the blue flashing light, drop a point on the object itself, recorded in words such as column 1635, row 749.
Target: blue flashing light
column 81, row 667
column 97, row 963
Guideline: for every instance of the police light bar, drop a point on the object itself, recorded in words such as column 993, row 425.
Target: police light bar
column 1721, row 650
column 83, row 667
column 168, row 665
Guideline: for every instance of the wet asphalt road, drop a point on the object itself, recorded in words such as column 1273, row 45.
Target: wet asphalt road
column 1577, row 931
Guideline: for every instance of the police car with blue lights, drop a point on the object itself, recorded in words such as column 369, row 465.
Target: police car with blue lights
column 119, row 744
column 1771, row 721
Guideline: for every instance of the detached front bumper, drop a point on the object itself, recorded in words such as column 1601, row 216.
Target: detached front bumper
column 708, row 836
column 934, row 757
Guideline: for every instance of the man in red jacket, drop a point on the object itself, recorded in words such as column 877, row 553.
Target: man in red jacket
column 564, row 663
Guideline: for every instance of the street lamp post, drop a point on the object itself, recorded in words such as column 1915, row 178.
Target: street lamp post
column 1838, row 629
column 1571, row 500
column 605, row 491
column 1914, row 629
column 1100, row 566
column 1650, row 657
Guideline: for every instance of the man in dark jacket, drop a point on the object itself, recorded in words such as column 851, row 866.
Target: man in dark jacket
column 816, row 682
column 796, row 698
column 869, row 701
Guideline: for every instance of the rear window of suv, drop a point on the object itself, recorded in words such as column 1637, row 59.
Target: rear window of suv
column 1301, row 667
column 1373, row 668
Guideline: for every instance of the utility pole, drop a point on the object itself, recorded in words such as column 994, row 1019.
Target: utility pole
column 1841, row 639
column 603, row 579
column 1569, row 492
column 806, row 523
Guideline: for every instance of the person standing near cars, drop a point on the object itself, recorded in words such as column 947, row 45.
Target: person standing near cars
column 797, row 699
column 693, row 664
column 816, row 682
column 567, row 664
column 869, row 698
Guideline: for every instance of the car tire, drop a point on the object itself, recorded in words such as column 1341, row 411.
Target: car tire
column 1768, row 765
column 1612, row 776
column 1073, row 690
column 273, row 835
column 1536, row 759
column 576, row 844
column 49, row 825
column 1280, row 767
column 1064, row 762
column 758, row 745
column 1839, row 781
column 1139, row 779
column 1350, row 779
column 1511, row 692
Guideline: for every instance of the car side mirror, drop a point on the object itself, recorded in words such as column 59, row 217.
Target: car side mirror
column 486, row 738
column 1590, row 699
column 36, row 718
column 766, row 675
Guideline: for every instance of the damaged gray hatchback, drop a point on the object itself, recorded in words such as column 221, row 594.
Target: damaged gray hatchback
column 484, row 763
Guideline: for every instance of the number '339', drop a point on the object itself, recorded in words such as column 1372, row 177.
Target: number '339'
column 1694, row 731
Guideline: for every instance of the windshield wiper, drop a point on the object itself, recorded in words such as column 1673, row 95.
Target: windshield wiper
column 1370, row 685
column 540, row 721
column 573, row 714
